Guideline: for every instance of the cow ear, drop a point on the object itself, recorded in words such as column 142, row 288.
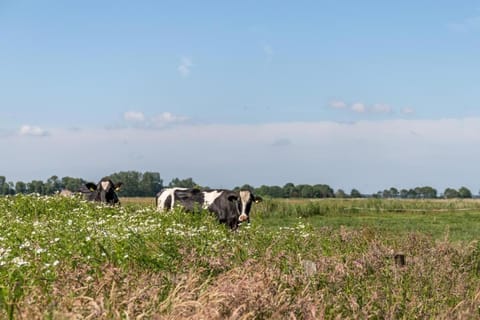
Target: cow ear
column 232, row 197
column 258, row 199
column 195, row 190
column 91, row 186
column 118, row 186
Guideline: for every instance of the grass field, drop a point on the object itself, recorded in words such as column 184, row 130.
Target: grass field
column 63, row 258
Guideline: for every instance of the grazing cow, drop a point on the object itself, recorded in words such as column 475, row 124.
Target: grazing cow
column 230, row 207
column 103, row 191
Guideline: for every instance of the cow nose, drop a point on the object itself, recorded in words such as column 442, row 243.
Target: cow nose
column 242, row 217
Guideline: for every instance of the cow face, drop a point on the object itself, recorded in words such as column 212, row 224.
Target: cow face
column 247, row 198
column 104, row 191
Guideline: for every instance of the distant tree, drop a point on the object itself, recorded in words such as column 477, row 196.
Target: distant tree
column 36, row 186
column 150, row 184
column 72, row 184
column 355, row 193
column 306, row 191
column 464, row 192
column 4, row 187
column 323, row 191
column 247, row 187
column 290, row 191
column 394, row 193
column 53, row 185
column 20, row 187
column 185, row 183
column 451, row 193
column 426, row 192
column 404, row 193
column 340, row 194
column 271, row 191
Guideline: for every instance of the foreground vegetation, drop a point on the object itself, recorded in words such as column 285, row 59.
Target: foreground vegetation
column 64, row 258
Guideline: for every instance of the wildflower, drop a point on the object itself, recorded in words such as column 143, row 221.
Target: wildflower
column 19, row 261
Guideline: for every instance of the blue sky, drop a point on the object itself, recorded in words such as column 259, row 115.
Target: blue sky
column 355, row 94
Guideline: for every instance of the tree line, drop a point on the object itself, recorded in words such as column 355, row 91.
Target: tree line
column 148, row 184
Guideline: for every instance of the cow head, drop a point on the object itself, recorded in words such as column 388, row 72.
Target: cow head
column 247, row 198
column 104, row 191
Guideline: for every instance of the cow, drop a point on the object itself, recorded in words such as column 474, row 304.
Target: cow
column 229, row 207
column 104, row 191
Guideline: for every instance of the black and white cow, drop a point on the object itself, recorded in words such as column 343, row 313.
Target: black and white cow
column 247, row 198
column 230, row 207
column 104, row 191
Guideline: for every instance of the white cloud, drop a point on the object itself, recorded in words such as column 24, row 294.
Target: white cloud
column 134, row 116
column 185, row 66
column 381, row 108
column 358, row 107
column 28, row 130
column 139, row 120
column 337, row 104
column 408, row 111
column 167, row 118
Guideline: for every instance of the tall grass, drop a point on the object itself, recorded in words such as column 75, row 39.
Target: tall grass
column 65, row 258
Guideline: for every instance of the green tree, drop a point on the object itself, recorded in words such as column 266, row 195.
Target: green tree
column 323, row 191
column 290, row 191
column 150, row 184
column 131, row 183
column 306, row 191
column 72, row 184
column 20, row 187
column 464, row 193
column 355, row 194
column 53, row 185
column 340, row 194
column 184, row 183
column 36, row 186
column 4, row 187
column 425, row 192
column 451, row 193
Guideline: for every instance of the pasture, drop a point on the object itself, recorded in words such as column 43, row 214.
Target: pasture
column 63, row 258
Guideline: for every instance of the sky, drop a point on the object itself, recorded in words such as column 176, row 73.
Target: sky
column 353, row 94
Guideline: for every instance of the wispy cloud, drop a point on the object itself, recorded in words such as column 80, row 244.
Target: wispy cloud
column 362, row 108
column 134, row 116
column 466, row 25
column 166, row 118
column 268, row 51
column 381, row 108
column 337, row 104
column 140, row 120
column 358, row 107
column 407, row 111
column 28, row 130
column 185, row 65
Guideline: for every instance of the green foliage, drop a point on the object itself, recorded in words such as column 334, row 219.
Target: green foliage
column 74, row 256
column 184, row 183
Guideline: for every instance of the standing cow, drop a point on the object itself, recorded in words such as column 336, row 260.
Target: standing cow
column 229, row 207
column 104, row 191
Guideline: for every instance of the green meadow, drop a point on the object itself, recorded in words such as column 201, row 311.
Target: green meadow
column 64, row 258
